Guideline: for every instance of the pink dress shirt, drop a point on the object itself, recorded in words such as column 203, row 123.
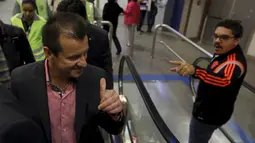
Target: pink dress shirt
column 62, row 112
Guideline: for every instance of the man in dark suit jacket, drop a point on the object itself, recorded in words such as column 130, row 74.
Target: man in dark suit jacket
column 15, row 126
column 15, row 51
column 99, row 53
column 69, row 96
column 15, row 46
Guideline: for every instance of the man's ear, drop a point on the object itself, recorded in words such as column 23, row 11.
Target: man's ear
column 237, row 41
column 48, row 54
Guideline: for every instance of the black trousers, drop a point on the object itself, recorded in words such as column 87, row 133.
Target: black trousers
column 114, row 36
column 200, row 132
column 142, row 16
column 151, row 18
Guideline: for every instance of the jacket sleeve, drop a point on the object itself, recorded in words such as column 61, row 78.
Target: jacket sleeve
column 24, row 48
column 107, row 62
column 16, row 9
column 229, row 74
column 111, row 126
column 119, row 9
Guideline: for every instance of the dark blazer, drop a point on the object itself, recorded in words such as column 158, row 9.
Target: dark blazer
column 99, row 53
column 15, row 124
column 29, row 86
column 15, row 46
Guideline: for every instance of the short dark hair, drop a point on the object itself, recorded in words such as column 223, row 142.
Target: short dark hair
column 111, row 1
column 74, row 6
column 29, row 1
column 69, row 24
column 234, row 25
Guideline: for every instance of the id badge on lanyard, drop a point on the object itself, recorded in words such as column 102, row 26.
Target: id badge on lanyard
column 28, row 31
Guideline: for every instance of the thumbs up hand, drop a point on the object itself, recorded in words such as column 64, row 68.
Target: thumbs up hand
column 110, row 100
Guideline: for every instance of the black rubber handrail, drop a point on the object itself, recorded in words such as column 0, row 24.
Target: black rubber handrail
column 116, row 139
column 248, row 86
column 159, row 122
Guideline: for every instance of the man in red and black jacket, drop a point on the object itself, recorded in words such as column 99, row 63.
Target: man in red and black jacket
column 219, row 83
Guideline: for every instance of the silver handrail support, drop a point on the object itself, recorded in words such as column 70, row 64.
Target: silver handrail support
column 178, row 34
column 170, row 49
column 110, row 30
column 132, row 40
column 154, row 40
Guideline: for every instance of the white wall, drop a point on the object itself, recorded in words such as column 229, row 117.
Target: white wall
column 195, row 19
column 160, row 15
column 184, row 19
column 251, row 48
column 123, row 3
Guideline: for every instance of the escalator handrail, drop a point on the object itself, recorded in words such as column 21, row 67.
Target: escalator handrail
column 159, row 122
column 245, row 83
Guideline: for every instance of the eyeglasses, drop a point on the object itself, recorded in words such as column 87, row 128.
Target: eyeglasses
column 221, row 37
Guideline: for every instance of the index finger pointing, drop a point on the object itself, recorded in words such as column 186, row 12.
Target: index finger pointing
column 176, row 62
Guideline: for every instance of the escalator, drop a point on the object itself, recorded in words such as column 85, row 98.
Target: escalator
column 157, row 112
column 144, row 123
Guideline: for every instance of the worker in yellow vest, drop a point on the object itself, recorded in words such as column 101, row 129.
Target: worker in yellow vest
column 42, row 8
column 90, row 10
column 97, row 15
column 32, row 24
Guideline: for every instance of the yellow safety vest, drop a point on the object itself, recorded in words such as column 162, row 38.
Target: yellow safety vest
column 42, row 8
column 90, row 11
column 34, row 35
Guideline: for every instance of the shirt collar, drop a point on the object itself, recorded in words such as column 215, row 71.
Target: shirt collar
column 47, row 71
column 238, row 47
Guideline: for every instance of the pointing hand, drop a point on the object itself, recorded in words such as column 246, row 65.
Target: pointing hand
column 183, row 68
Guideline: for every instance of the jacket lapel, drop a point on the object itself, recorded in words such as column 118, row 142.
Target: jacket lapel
column 81, row 105
column 41, row 98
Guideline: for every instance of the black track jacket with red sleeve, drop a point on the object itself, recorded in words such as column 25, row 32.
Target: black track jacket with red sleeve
column 219, row 86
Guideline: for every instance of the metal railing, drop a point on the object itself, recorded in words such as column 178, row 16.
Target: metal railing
column 178, row 34
column 108, row 23
column 245, row 84
column 170, row 49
